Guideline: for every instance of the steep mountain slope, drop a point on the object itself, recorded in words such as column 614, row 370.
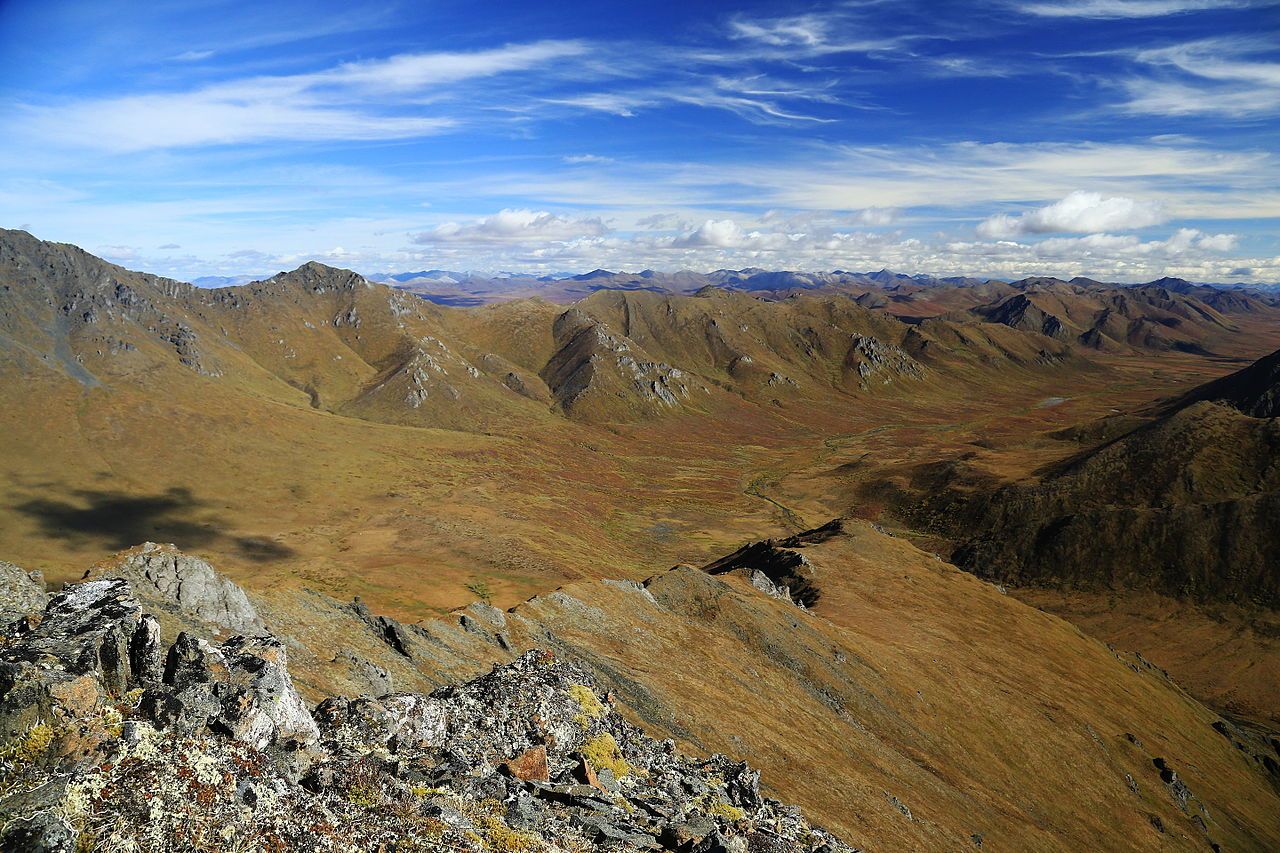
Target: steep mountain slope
column 947, row 714
column 1184, row 505
column 317, row 336
column 1255, row 391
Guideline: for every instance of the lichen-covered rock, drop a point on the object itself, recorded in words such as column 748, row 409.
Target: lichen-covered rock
column 218, row 753
column 241, row 688
column 21, row 592
column 78, row 655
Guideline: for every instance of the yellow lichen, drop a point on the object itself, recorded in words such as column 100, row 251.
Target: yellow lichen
column 727, row 811
column 592, row 707
column 30, row 747
column 602, row 753
column 422, row 791
column 486, row 817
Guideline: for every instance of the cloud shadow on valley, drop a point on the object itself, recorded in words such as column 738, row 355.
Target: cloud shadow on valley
column 117, row 520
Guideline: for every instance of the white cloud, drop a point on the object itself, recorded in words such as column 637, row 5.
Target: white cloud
column 801, row 31
column 728, row 234
column 1107, row 249
column 586, row 159
column 814, row 34
column 663, row 222
column 1126, row 8
column 716, row 233
column 335, row 104
column 1218, row 242
column 1217, row 76
column 515, row 226
column 1078, row 212
column 753, row 98
column 414, row 71
column 876, row 216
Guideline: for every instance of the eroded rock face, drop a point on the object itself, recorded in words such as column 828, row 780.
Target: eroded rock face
column 879, row 362
column 21, row 592
column 593, row 362
column 75, row 658
column 530, row 757
column 190, row 585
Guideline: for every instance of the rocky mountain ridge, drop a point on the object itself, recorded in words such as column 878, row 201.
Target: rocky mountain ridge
column 703, row 656
column 530, row 757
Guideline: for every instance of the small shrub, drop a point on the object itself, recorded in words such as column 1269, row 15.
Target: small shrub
column 480, row 589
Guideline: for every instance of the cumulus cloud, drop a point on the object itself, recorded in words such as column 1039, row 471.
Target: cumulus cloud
column 876, row 216
column 1218, row 242
column 515, row 226
column 728, row 234
column 1105, row 247
column 1079, row 212
column 170, row 246
column 814, row 241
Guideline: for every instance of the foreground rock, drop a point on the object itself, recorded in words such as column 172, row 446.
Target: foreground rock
column 110, row 744
column 21, row 592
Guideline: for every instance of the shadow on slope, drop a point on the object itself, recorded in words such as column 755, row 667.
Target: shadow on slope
column 116, row 520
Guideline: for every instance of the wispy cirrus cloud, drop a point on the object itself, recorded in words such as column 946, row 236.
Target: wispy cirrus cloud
column 833, row 31
column 370, row 100
column 1121, row 9
column 1237, row 78
column 754, row 98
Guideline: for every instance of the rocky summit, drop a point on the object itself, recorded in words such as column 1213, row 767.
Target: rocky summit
column 115, row 741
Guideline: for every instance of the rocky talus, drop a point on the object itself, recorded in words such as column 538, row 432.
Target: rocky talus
column 114, row 741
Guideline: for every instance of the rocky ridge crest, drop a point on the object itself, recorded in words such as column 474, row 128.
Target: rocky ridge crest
column 112, row 742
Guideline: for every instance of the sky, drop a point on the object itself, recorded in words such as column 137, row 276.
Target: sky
column 1120, row 139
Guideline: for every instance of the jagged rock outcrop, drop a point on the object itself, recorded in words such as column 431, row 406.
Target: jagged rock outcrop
column 163, row 576
column 21, row 592
column 596, row 371
column 873, row 359
column 92, row 643
column 776, row 567
column 530, row 757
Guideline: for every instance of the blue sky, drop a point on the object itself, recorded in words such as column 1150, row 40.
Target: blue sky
column 1124, row 139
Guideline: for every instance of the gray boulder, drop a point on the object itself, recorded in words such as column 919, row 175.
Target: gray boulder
column 241, row 689
column 21, row 592
column 163, row 575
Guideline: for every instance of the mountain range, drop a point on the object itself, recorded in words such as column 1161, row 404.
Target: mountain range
column 745, row 515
